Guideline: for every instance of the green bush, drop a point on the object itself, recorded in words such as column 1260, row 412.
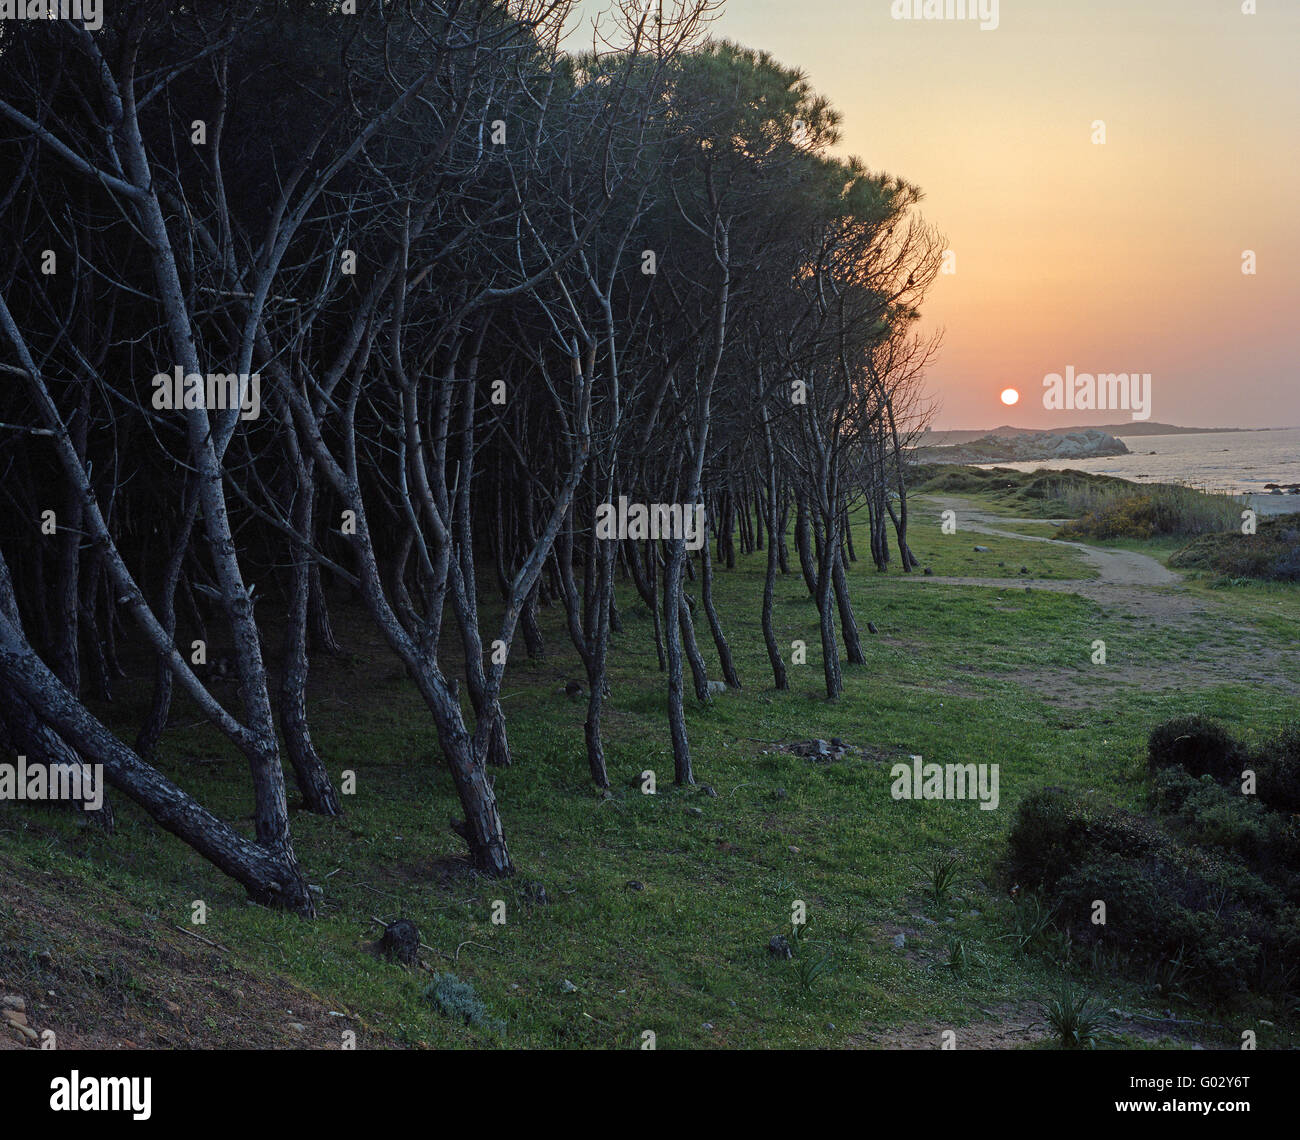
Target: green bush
column 1048, row 837
column 1205, row 894
column 1157, row 910
column 1199, row 745
column 1272, row 553
column 1276, row 764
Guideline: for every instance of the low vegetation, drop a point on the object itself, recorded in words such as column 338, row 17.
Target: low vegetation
column 1200, row 893
column 1271, row 554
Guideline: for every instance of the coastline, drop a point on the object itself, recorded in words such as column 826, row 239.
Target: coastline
column 1264, row 505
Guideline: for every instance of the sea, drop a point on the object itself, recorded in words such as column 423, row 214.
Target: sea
column 1236, row 462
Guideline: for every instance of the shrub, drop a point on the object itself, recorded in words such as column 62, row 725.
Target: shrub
column 1276, row 764
column 1201, row 746
column 1048, row 837
column 1271, row 554
column 1157, row 910
column 457, row 999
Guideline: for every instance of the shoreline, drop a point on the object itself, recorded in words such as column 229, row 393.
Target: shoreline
column 1265, row 504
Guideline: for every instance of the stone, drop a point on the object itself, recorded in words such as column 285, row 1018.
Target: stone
column 534, row 892
column 694, row 811
column 710, row 791
column 14, row 1017
column 568, row 987
column 23, row 1032
column 900, row 940
column 982, row 549
column 171, row 1007
column 297, row 1027
column 717, row 687
column 778, row 947
column 12, row 1001
column 634, row 885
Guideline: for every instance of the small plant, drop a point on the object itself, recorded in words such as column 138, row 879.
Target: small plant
column 1105, row 959
column 1169, row 975
column 957, row 957
column 454, row 998
column 1033, row 922
column 941, row 875
column 808, row 969
column 1077, row 1019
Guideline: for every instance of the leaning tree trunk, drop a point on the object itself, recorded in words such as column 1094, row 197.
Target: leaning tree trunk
column 769, row 596
column 270, row 874
column 699, row 671
column 23, row 731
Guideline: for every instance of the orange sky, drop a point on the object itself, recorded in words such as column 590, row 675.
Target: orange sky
column 1124, row 257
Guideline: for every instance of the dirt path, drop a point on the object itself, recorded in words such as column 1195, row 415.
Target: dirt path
column 1123, row 576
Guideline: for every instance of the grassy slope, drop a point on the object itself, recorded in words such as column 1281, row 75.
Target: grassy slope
column 948, row 677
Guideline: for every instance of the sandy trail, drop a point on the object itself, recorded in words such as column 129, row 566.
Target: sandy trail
column 1125, row 577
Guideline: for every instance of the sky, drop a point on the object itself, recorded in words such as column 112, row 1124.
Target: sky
column 1121, row 257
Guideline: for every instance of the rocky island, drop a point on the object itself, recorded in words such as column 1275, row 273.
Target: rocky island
column 1087, row 443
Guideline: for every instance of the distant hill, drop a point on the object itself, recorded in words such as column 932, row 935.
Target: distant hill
column 1136, row 427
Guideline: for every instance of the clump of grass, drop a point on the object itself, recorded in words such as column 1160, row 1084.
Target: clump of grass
column 1078, row 1019
column 958, row 959
column 941, row 873
column 1033, row 924
column 808, row 969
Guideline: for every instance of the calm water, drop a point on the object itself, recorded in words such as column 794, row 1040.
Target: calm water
column 1238, row 462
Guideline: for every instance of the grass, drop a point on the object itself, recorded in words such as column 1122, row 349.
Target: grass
column 1101, row 506
column 963, row 674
